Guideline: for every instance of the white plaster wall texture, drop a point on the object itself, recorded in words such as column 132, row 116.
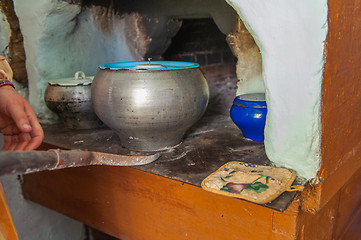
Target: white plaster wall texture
column 290, row 35
column 60, row 39
column 4, row 35
column 32, row 221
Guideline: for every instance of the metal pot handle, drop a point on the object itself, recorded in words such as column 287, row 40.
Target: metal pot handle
column 76, row 76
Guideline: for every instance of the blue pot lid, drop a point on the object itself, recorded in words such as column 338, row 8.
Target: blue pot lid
column 251, row 100
column 149, row 65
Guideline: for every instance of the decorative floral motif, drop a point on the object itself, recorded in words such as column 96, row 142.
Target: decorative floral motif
column 255, row 183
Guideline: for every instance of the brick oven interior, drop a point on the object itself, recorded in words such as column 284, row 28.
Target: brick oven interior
column 187, row 31
column 209, row 33
column 196, row 38
column 200, row 41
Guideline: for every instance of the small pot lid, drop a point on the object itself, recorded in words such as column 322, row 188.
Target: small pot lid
column 253, row 100
column 149, row 65
column 79, row 80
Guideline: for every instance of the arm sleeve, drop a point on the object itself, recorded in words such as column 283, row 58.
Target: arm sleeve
column 5, row 69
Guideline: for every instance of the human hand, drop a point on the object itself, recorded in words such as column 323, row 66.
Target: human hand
column 18, row 122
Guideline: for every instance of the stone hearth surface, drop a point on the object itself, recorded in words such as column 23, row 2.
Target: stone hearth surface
column 209, row 144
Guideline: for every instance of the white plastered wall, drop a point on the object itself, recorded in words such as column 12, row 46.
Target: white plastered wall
column 4, row 35
column 290, row 35
column 32, row 221
column 61, row 39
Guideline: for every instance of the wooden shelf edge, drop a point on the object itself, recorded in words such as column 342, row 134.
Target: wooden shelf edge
column 129, row 203
column 329, row 183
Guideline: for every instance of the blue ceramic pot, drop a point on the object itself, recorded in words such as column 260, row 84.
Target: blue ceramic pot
column 249, row 112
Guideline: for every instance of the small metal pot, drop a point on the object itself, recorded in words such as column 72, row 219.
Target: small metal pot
column 70, row 99
column 150, row 105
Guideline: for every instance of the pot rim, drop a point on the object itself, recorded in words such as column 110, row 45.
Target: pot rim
column 252, row 100
column 149, row 65
column 79, row 79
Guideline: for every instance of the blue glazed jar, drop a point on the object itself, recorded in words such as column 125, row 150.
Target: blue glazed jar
column 249, row 112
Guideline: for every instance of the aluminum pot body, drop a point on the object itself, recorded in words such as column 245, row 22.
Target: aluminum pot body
column 150, row 110
column 249, row 113
column 73, row 106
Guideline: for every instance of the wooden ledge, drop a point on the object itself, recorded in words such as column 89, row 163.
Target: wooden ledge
column 214, row 141
column 132, row 204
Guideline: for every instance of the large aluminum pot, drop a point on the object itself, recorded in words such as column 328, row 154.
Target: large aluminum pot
column 70, row 99
column 150, row 105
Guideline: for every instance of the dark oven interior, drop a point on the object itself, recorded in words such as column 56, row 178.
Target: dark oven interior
column 187, row 31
